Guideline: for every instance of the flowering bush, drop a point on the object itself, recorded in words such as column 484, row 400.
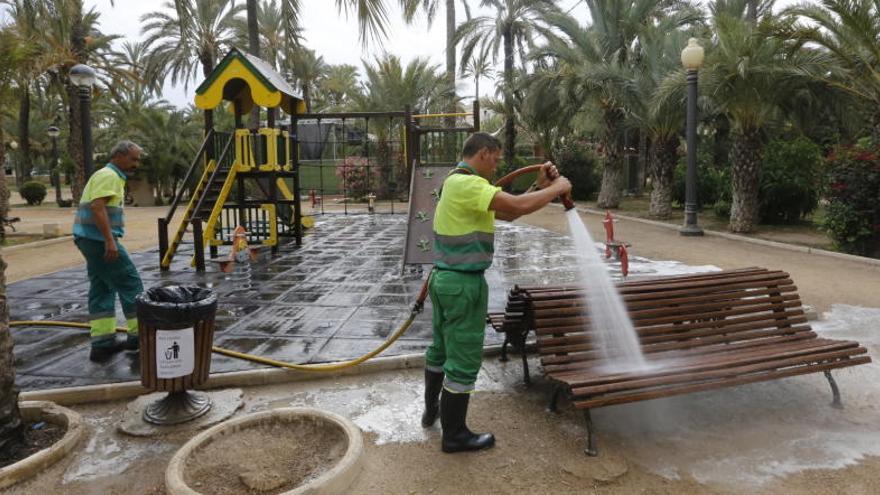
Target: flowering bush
column 853, row 192
column 357, row 177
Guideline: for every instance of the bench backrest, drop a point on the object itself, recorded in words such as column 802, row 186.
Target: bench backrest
column 683, row 314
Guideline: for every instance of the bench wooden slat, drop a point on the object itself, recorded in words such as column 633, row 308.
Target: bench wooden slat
column 588, row 382
column 573, row 362
column 720, row 383
column 704, row 346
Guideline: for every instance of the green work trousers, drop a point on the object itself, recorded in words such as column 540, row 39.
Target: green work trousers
column 460, row 301
column 106, row 280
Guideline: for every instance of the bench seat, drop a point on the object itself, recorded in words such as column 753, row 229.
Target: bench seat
column 697, row 332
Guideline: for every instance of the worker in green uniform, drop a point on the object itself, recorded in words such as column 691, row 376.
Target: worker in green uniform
column 464, row 226
column 97, row 228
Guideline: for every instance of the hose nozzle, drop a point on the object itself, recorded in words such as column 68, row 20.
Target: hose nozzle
column 567, row 202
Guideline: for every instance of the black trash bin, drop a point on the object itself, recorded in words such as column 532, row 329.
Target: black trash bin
column 176, row 332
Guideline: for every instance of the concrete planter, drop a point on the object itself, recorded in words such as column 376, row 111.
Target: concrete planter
column 335, row 480
column 32, row 411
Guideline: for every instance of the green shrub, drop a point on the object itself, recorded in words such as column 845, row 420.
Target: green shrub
column 713, row 183
column 576, row 161
column 790, row 180
column 33, row 192
column 852, row 217
column 722, row 208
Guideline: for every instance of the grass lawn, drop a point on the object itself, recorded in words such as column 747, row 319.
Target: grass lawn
column 804, row 233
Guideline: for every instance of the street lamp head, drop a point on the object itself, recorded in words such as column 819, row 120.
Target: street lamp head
column 82, row 75
column 53, row 131
column 692, row 55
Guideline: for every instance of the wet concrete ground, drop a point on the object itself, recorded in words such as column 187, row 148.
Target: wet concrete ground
column 335, row 298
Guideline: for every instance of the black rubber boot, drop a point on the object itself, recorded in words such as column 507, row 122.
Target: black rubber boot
column 132, row 343
column 104, row 349
column 453, row 418
column 433, row 386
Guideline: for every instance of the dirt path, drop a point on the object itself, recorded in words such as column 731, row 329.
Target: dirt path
column 27, row 262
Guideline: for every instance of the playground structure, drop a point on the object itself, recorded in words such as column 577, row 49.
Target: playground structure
column 260, row 179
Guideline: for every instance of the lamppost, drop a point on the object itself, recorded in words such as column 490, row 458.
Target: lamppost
column 83, row 77
column 53, row 133
column 691, row 58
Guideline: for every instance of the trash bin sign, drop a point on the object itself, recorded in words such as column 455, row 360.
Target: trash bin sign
column 175, row 353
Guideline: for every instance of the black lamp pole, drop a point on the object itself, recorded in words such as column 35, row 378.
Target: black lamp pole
column 85, row 104
column 56, row 176
column 692, row 57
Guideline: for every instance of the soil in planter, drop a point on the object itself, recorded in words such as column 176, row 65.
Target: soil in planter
column 265, row 459
column 35, row 440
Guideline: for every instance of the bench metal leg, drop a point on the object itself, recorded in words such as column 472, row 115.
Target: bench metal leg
column 554, row 399
column 504, row 348
column 835, row 403
column 525, row 364
column 591, row 449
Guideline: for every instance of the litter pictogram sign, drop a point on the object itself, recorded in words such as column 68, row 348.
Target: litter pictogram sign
column 175, row 353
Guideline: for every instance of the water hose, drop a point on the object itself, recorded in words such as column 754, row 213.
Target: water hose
column 566, row 200
column 417, row 308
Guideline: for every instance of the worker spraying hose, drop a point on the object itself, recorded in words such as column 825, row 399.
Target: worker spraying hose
column 464, row 235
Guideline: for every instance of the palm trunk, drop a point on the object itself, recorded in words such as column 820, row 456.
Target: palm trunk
column 208, row 67
column 510, row 122
column 25, row 163
column 609, row 195
column 450, row 152
column 253, row 49
column 744, row 208
column 4, row 190
column 664, row 157
column 875, row 128
column 11, row 426
column 306, row 97
column 642, row 167
column 450, row 52
column 74, row 140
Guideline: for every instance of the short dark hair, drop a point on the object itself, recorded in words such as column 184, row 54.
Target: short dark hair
column 477, row 141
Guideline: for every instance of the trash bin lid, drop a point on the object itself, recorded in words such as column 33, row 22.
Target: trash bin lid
column 176, row 306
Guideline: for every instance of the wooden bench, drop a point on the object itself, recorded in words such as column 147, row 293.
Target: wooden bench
column 712, row 330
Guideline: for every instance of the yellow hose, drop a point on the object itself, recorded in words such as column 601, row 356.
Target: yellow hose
column 250, row 357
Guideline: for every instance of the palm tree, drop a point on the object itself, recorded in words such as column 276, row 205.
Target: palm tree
column 193, row 35
column 596, row 58
column 24, row 17
column 307, row 68
column 338, row 87
column 751, row 73
column 850, row 31
column 391, row 85
column 430, row 8
column 72, row 37
column 479, row 66
column 514, row 25
column 12, row 56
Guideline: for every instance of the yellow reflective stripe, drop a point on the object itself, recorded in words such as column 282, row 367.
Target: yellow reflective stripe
column 103, row 326
column 132, row 324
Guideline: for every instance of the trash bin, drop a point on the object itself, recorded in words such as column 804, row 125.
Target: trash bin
column 176, row 332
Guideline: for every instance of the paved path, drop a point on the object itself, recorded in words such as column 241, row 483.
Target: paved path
column 341, row 294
